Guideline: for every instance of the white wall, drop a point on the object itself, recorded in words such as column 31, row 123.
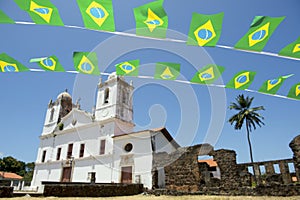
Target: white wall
column 141, row 154
column 50, row 171
column 162, row 144
column 49, row 126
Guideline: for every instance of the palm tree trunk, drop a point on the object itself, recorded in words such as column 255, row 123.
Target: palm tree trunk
column 250, row 149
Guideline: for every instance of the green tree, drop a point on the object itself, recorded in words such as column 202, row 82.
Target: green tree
column 29, row 167
column 248, row 116
column 10, row 164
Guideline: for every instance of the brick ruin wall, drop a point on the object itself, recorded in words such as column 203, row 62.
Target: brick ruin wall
column 182, row 173
column 295, row 146
column 181, row 168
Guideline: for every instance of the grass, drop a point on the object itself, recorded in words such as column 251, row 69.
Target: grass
column 152, row 197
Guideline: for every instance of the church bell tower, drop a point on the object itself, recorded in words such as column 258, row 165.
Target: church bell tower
column 114, row 101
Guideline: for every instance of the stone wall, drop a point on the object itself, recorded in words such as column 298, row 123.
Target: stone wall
column 90, row 190
column 262, row 190
column 295, row 146
column 268, row 175
column 6, row 191
column 182, row 173
column 226, row 160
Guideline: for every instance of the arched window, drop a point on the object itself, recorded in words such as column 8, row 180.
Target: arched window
column 51, row 115
column 106, row 95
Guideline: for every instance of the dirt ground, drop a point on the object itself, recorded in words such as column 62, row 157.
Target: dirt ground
column 150, row 197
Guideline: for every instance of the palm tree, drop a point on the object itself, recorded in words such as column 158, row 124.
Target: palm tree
column 249, row 116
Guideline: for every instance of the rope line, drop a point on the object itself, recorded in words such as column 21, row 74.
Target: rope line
column 181, row 81
column 167, row 39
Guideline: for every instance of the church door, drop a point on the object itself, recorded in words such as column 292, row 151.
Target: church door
column 66, row 175
column 126, row 176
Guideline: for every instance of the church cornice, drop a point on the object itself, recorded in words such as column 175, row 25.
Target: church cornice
column 76, row 128
column 114, row 80
column 69, row 130
column 112, row 105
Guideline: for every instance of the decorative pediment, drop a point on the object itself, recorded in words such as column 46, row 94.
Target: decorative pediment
column 76, row 118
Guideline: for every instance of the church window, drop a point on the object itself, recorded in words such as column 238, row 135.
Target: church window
column 81, row 152
column 58, row 153
column 102, row 147
column 44, row 156
column 124, row 98
column 70, row 149
column 106, row 95
column 128, row 147
column 51, row 115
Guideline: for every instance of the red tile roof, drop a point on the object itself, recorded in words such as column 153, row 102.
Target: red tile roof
column 10, row 175
column 210, row 162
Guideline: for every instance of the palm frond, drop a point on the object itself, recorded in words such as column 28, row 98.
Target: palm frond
column 257, row 108
column 235, row 106
column 245, row 113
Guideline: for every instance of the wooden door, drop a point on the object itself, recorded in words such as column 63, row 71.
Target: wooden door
column 66, row 174
column 126, row 176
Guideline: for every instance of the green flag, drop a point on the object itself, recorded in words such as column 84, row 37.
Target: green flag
column 86, row 62
column 50, row 63
column 208, row 74
column 167, row 71
column 97, row 14
column 8, row 64
column 273, row 85
column 128, row 68
column 151, row 20
column 260, row 31
column 205, row 30
column 291, row 50
column 4, row 19
column 294, row 91
column 41, row 12
column 241, row 80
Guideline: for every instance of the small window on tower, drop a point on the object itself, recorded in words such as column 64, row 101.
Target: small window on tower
column 58, row 153
column 44, row 156
column 106, row 95
column 102, row 147
column 81, row 151
column 124, row 98
column 51, row 115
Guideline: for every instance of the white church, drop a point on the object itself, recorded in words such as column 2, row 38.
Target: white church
column 100, row 147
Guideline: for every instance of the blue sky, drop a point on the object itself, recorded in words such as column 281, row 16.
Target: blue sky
column 190, row 112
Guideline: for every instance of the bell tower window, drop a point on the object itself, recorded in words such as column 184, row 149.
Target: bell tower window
column 106, row 95
column 51, row 115
column 124, row 96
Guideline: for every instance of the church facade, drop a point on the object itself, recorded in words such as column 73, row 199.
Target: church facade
column 100, row 147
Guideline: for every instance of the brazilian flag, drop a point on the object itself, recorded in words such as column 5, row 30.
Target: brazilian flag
column 128, row 68
column 291, row 50
column 4, row 19
column 97, row 14
column 8, row 64
column 208, row 74
column 41, row 12
column 241, row 80
column 272, row 86
column 294, row 91
column 205, row 30
column 50, row 63
column 167, row 71
column 86, row 62
column 260, row 31
column 151, row 20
